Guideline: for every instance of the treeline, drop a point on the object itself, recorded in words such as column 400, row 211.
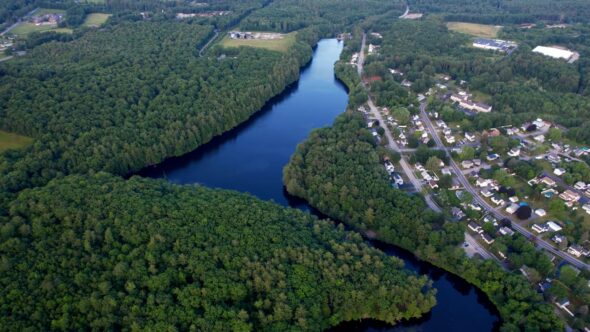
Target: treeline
column 12, row 10
column 329, row 16
column 506, row 11
column 99, row 252
column 123, row 98
column 338, row 171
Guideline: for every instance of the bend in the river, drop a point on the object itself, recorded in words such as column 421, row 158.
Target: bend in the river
column 250, row 158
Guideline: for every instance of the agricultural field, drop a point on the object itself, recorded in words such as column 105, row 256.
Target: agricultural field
column 9, row 141
column 95, row 19
column 478, row 30
column 279, row 44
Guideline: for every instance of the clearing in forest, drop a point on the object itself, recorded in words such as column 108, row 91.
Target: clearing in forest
column 474, row 29
column 41, row 20
column 280, row 43
column 9, row 141
column 95, row 19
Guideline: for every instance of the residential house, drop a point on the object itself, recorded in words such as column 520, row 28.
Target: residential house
column 514, row 152
column 554, row 227
column 553, row 158
column 548, row 181
column 498, row 200
column 492, row 157
column 559, row 171
column 512, row 208
column 580, row 185
column 475, row 227
column 540, row 212
column 540, row 228
column 470, row 137
column 481, row 182
column 457, row 213
column 575, row 250
column 488, row 239
column 487, row 193
column 467, row 164
column 506, row 231
column 540, row 138
column 558, row 238
column 569, row 196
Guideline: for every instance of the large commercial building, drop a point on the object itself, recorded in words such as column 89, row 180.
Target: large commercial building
column 557, row 53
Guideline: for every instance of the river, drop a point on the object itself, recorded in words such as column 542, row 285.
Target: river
column 251, row 157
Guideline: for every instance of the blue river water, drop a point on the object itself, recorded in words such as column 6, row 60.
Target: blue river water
column 251, row 157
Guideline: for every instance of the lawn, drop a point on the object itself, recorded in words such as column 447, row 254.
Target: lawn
column 13, row 141
column 280, row 45
column 25, row 28
column 95, row 19
column 478, row 30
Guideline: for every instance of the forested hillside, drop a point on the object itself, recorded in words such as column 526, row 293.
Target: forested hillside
column 100, row 252
column 126, row 97
column 338, row 171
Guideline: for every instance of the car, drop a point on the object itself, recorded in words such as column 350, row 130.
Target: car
column 465, row 244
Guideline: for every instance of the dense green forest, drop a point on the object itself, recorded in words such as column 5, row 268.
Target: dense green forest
column 326, row 15
column 12, row 10
column 338, row 171
column 123, row 98
column 506, row 11
column 146, row 254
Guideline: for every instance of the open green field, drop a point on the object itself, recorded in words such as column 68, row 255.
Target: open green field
column 280, row 45
column 95, row 19
column 478, row 30
column 10, row 141
column 26, row 28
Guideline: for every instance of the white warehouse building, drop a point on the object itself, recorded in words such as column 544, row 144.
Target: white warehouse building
column 554, row 52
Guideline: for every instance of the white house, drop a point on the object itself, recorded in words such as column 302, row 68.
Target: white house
column 512, row 208
column 514, row 152
column 559, row 171
column 540, row 212
column 467, row 164
column 553, row 226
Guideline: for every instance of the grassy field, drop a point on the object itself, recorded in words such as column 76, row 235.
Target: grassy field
column 478, row 30
column 280, row 45
column 13, row 141
column 25, row 28
column 95, row 19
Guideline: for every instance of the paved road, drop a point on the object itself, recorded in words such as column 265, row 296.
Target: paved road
column 475, row 246
column 498, row 214
column 390, row 141
column 17, row 22
column 202, row 50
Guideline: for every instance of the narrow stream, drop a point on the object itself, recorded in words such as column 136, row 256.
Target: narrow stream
column 251, row 157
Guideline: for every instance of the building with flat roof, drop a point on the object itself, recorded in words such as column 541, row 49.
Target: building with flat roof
column 494, row 44
column 556, row 53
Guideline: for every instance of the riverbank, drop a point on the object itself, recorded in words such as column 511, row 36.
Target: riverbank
column 424, row 233
column 251, row 158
